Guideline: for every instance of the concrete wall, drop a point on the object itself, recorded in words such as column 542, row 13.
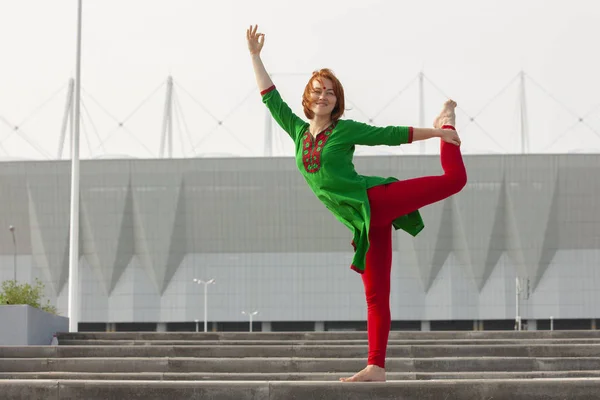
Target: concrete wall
column 148, row 227
column 22, row 325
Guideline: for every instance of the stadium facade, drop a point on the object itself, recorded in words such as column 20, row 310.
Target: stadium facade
column 149, row 227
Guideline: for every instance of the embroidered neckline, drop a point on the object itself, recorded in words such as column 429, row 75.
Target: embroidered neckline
column 313, row 147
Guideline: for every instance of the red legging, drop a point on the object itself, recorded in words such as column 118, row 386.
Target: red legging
column 387, row 203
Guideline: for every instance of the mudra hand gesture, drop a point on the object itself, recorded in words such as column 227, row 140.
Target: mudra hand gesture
column 255, row 40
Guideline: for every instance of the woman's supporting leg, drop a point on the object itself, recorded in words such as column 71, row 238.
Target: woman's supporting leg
column 376, row 280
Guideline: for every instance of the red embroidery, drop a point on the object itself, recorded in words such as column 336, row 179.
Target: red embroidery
column 312, row 149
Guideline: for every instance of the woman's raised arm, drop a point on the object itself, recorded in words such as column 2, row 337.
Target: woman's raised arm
column 256, row 42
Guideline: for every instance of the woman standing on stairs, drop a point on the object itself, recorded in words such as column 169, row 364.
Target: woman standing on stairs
column 368, row 205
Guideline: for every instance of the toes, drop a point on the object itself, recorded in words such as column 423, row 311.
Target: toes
column 450, row 104
column 358, row 377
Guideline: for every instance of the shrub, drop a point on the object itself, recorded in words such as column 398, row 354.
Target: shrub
column 14, row 293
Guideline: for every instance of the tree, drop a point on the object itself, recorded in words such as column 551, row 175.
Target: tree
column 14, row 293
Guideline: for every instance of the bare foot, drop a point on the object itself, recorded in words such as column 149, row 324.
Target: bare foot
column 447, row 115
column 372, row 373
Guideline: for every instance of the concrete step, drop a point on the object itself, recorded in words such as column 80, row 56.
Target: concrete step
column 294, row 376
column 518, row 389
column 286, row 364
column 304, row 365
column 394, row 335
column 454, row 342
column 301, row 351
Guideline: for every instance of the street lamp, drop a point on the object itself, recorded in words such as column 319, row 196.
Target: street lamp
column 205, row 283
column 252, row 314
column 12, row 231
column 517, row 296
column 521, row 286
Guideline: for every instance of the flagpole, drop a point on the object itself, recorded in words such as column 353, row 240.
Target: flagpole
column 73, row 302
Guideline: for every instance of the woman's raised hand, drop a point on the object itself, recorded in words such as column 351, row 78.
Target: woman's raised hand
column 255, row 45
column 255, row 40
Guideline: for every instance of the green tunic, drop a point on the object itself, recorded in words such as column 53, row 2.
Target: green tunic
column 326, row 164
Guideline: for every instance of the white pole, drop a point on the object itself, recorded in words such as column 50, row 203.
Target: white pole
column 250, row 315
column 67, row 115
column 170, row 133
column 73, row 302
column 524, row 126
column 12, row 231
column 167, row 127
column 71, row 122
column 205, row 283
column 422, row 108
column 205, row 307
column 518, row 292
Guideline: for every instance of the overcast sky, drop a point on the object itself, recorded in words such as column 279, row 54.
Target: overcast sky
column 470, row 50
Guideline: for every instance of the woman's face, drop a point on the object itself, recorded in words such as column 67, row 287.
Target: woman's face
column 322, row 96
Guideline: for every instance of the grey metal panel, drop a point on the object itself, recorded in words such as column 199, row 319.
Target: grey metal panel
column 13, row 195
column 431, row 245
column 244, row 210
column 157, row 191
column 497, row 297
column 94, row 297
column 150, row 226
column 530, row 189
column 107, row 221
column 578, row 204
column 49, row 199
column 480, row 211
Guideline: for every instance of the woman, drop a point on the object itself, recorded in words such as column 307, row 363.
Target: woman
column 368, row 205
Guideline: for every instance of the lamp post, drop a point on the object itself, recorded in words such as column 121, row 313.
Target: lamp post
column 521, row 286
column 205, row 283
column 73, row 306
column 252, row 314
column 517, row 296
column 12, row 231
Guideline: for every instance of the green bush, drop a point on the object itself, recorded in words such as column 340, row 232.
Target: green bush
column 14, row 293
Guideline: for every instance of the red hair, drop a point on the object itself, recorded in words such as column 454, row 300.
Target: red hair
column 338, row 89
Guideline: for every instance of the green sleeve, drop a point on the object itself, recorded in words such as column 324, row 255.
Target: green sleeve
column 282, row 113
column 364, row 134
